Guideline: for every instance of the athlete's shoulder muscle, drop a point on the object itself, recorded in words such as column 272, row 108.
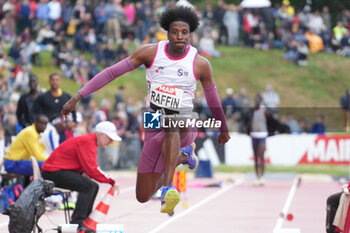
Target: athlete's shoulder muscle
column 203, row 70
column 144, row 55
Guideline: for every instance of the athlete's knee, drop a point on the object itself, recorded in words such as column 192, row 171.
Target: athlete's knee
column 143, row 197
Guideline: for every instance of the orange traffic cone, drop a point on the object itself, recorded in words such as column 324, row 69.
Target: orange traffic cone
column 98, row 214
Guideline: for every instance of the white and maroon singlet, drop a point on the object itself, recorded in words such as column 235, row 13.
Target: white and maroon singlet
column 171, row 81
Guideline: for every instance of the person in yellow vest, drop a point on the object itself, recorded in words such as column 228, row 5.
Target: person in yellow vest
column 339, row 31
column 26, row 144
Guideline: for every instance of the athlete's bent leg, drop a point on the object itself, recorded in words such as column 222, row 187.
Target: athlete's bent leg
column 150, row 176
column 170, row 152
column 147, row 184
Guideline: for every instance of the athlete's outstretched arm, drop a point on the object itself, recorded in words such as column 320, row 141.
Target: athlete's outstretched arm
column 204, row 73
column 143, row 55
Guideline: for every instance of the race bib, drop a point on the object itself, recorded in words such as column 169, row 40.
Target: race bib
column 165, row 96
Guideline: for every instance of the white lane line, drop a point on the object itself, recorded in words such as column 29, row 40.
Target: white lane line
column 128, row 189
column 124, row 190
column 286, row 206
column 196, row 206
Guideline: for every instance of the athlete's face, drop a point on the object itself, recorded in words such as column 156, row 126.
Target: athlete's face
column 179, row 34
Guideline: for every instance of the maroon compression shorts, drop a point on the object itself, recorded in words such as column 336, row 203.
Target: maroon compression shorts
column 151, row 159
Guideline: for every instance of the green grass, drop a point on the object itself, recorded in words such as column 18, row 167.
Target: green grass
column 332, row 170
column 335, row 170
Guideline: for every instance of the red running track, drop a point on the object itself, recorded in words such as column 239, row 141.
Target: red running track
column 239, row 207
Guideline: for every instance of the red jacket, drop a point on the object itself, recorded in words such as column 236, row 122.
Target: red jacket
column 77, row 154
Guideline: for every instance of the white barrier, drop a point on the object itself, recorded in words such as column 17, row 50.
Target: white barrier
column 290, row 150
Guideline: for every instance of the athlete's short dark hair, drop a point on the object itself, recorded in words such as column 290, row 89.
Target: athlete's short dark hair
column 179, row 13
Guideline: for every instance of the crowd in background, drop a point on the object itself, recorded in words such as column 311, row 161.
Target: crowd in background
column 71, row 32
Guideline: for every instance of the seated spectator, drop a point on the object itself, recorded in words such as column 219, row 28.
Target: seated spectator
column 32, row 52
column 122, row 51
column 5, row 91
column 119, row 98
column 302, row 53
column 150, row 37
column 161, row 34
column 316, row 22
column 91, row 40
column 208, row 28
column 26, row 144
column 292, row 124
column 327, row 39
column 10, row 127
column 71, row 126
column 108, row 55
column 84, row 125
column 98, row 53
column 25, row 35
column 79, row 42
column 66, row 60
column 207, row 46
column 51, row 137
column 283, row 127
column 120, row 120
column 2, row 141
column 291, row 53
column 304, row 125
column 80, row 69
column 275, row 125
column 318, row 127
column 338, row 31
column 21, row 83
column 93, row 69
column 4, row 62
column 45, row 35
column 229, row 103
column 315, row 41
column 299, row 35
column 345, row 45
column 15, row 50
column 5, row 32
column 71, row 27
column 259, row 39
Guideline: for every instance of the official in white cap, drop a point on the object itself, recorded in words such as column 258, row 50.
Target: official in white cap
column 74, row 162
column 106, row 132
